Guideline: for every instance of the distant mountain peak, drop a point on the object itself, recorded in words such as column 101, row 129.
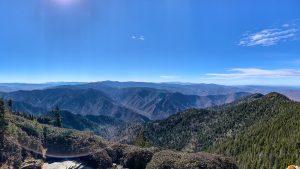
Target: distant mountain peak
column 275, row 95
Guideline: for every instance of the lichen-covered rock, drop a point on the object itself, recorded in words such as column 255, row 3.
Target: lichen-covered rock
column 137, row 158
column 98, row 160
column 177, row 160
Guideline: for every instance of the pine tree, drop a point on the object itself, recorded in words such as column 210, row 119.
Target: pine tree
column 10, row 105
column 58, row 120
column 3, row 125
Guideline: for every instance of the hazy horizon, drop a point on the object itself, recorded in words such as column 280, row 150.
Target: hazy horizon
column 180, row 83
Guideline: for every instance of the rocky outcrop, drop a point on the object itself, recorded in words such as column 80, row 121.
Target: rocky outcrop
column 99, row 160
column 136, row 159
column 177, row 160
column 132, row 157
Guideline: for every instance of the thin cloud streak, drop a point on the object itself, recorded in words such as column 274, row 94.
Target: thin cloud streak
column 269, row 37
column 243, row 73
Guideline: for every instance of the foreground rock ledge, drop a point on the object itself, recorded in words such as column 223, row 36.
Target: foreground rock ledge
column 177, row 160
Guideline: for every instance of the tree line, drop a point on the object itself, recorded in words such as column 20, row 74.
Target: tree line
column 7, row 108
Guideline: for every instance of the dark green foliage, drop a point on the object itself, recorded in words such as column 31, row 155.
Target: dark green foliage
column 141, row 140
column 272, row 141
column 260, row 132
column 10, row 105
column 45, row 134
column 30, row 130
column 45, row 120
column 27, row 108
column 25, row 115
column 3, row 127
column 58, row 119
column 2, row 115
column 3, row 121
column 101, row 125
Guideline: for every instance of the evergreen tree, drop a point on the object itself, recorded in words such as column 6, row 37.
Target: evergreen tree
column 58, row 120
column 10, row 105
column 3, row 125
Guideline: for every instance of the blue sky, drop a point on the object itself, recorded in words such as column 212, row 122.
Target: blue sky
column 215, row 41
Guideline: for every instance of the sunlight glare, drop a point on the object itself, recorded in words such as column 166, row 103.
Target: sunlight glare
column 65, row 2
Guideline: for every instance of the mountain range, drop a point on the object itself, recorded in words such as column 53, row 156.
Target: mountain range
column 128, row 104
column 160, row 104
column 10, row 87
column 201, row 89
column 77, row 101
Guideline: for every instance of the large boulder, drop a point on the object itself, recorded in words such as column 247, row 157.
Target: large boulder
column 137, row 159
column 131, row 157
column 98, row 160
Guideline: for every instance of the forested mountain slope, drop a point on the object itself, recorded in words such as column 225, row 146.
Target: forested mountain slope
column 260, row 131
column 271, row 142
column 128, row 104
column 77, row 101
column 104, row 126
column 160, row 104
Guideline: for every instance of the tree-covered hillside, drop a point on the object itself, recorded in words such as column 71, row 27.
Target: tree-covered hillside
column 128, row 104
column 160, row 104
column 272, row 142
column 260, row 131
column 77, row 101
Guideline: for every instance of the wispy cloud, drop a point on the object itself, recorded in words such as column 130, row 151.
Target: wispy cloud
column 140, row 37
column 243, row 73
column 269, row 37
